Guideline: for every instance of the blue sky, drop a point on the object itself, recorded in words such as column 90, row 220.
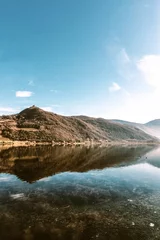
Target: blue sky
column 97, row 58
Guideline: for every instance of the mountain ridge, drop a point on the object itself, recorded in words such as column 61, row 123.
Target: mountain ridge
column 35, row 124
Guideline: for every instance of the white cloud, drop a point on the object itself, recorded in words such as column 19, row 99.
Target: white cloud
column 140, row 103
column 138, row 107
column 7, row 109
column 24, row 94
column 48, row 109
column 114, row 87
column 149, row 66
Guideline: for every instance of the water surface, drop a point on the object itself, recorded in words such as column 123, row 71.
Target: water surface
column 80, row 193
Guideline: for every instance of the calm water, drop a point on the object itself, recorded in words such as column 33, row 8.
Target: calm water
column 80, row 193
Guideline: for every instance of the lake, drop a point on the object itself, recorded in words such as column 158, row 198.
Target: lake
column 75, row 193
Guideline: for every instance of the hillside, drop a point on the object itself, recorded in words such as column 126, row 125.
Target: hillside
column 35, row 124
column 151, row 128
column 155, row 122
column 154, row 127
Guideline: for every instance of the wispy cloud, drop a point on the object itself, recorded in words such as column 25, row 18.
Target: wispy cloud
column 139, row 79
column 51, row 108
column 114, row 87
column 7, row 109
column 56, row 105
column 123, row 56
column 24, row 94
column 54, row 90
column 48, row 109
column 125, row 65
column 140, row 103
column 31, row 83
column 149, row 66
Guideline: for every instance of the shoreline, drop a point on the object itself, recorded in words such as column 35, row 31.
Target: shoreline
column 10, row 143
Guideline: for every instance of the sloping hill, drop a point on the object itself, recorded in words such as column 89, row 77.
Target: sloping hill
column 151, row 128
column 117, row 130
column 155, row 122
column 126, row 122
column 35, row 124
column 154, row 127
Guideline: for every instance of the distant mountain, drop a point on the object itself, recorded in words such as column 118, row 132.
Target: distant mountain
column 35, row 124
column 137, row 125
column 154, row 127
column 126, row 122
column 151, row 128
column 155, row 122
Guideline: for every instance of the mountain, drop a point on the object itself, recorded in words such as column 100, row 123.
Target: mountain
column 141, row 126
column 153, row 123
column 35, row 124
column 154, row 127
column 151, row 128
column 126, row 122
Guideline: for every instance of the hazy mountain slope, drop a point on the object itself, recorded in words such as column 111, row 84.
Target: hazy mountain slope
column 35, row 124
column 126, row 122
column 152, row 127
column 155, row 122
column 116, row 130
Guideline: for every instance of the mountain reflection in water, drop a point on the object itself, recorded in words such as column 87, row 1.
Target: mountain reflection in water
column 80, row 193
column 32, row 164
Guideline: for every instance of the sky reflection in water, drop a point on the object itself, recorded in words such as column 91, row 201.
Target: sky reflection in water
column 139, row 179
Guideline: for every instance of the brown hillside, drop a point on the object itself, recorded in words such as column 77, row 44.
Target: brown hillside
column 35, row 124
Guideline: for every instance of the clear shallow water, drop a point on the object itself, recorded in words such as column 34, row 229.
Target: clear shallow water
column 80, row 193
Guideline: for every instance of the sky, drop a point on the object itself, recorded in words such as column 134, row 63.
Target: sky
column 81, row 57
